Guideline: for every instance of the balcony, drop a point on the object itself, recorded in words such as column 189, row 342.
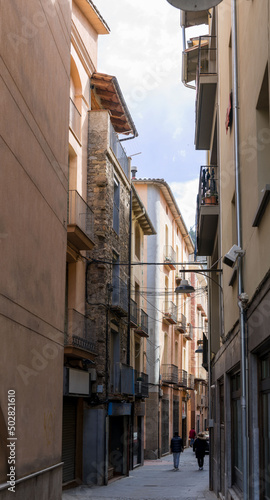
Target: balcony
column 181, row 326
column 119, row 152
column 119, row 296
column 169, row 374
column 74, row 119
column 80, row 227
column 202, row 401
column 207, row 210
column 182, row 378
column 190, row 382
column 122, row 379
column 79, row 340
column 206, row 85
column 196, row 18
column 142, row 329
column 189, row 332
column 133, row 314
column 170, row 313
column 169, row 257
column 141, row 385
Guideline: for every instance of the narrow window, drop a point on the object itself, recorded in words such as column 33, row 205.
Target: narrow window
column 137, row 242
column 263, row 137
column 116, row 205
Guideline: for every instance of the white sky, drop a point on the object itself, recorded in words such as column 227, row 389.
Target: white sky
column 144, row 52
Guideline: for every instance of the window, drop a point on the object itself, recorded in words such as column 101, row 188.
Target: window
column 115, row 280
column 263, row 139
column 116, row 205
column 165, row 348
column 237, row 466
column 137, row 242
column 176, row 354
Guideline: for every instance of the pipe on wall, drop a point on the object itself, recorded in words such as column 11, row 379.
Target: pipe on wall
column 243, row 346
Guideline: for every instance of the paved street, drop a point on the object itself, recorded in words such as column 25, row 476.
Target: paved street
column 156, row 479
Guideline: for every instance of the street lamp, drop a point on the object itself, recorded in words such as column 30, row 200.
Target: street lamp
column 184, row 287
column 199, row 350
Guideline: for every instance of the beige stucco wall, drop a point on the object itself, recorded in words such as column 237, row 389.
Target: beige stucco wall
column 83, row 62
column 35, row 50
column 253, row 50
column 88, row 34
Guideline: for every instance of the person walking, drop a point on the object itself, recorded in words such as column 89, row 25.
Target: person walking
column 200, row 447
column 192, row 435
column 176, row 448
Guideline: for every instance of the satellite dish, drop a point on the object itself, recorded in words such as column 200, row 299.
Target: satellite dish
column 194, row 5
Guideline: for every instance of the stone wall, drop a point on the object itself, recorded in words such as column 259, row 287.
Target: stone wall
column 102, row 168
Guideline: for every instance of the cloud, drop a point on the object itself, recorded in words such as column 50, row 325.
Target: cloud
column 185, row 194
column 144, row 52
column 177, row 133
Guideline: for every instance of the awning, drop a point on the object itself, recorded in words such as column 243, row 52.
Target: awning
column 106, row 94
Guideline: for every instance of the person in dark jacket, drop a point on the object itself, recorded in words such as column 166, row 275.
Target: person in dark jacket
column 176, row 448
column 200, row 447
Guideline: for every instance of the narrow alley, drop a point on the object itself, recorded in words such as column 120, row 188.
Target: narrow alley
column 156, row 479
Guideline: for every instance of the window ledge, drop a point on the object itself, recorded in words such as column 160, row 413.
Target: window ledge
column 262, row 205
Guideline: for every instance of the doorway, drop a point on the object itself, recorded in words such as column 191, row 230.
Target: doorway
column 116, row 446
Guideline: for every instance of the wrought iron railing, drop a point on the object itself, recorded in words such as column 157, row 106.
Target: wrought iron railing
column 182, row 322
column 144, row 321
column 207, row 55
column 170, row 374
column 74, row 119
column 133, row 312
column 182, row 378
column 170, row 311
column 141, row 385
column 190, row 381
column 120, row 294
column 80, row 214
column 169, row 255
column 189, row 332
column 78, row 331
column 119, row 151
column 208, row 186
column 122, row 379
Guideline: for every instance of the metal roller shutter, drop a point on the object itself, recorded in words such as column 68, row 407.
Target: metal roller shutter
column 69, row 439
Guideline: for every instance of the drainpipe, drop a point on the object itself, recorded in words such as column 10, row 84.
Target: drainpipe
column 129, row 276
column 244, row 362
